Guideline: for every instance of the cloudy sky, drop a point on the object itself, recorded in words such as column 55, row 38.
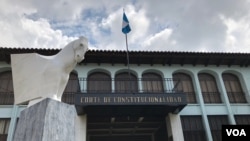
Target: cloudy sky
column 159, row 25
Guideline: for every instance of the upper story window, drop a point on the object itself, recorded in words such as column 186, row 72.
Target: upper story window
column 126, row 83
column 4, row 126
column 233, row 88
column 152, row 83
column 71, row 88
column 73, row 84
column 99, row 82
column 6, row 84
column 6, row 88
column 183, row 83
column 209, row 88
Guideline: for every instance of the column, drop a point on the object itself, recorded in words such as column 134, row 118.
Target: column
column 13, row 121
column 82, row 75
column 112, row 75
column 202, row 106
column 140, row 82
column 225, row 99
column 174, row 127
column 81, row 128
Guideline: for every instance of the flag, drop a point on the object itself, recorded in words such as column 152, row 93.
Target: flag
column 125, row 24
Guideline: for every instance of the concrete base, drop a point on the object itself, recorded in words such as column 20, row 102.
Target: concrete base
column 48, row 120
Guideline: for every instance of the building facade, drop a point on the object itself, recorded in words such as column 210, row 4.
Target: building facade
column 170, row 96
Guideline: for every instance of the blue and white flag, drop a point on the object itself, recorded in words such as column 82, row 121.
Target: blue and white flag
column 125, row 24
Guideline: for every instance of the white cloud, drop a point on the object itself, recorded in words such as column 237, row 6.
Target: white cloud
column 159, row 41
column 139, row 24
column 19, row 31
column 23, row 32
column 156, row 25
column 238, row 34
column 196, row 25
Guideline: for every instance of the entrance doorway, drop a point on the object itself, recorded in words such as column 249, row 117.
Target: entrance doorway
column 126, row 128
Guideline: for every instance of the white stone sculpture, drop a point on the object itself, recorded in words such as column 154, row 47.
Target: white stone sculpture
column 37, row 77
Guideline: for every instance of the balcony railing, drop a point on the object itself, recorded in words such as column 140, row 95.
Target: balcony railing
column 119, row 86
column 125, row 85
column 107, row 86
column 237, row 97
column 211, row 97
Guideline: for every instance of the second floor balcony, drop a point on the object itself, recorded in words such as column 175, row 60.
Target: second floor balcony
column 118, row 86
column 104, row 86
column 127, row 85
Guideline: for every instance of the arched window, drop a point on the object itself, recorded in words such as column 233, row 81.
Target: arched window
column 99, row 82
column 4, row 127
column 6, row 88
column 152, row 83
column 233, row 88
column 209, row 88
column 126, row 83
column 184, row 84
column 72, row 87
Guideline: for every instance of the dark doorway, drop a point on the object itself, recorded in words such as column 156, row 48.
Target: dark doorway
column 126, row 128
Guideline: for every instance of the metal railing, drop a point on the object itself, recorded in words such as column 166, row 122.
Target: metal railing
column 107, row 86
column 236, row 97
column 124, row 85
column 120, row 86
column 211, row 97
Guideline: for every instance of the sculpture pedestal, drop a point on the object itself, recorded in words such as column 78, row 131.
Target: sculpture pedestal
column 48, row 120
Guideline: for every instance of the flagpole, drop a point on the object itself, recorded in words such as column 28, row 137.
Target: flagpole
column 126, row 38
column 126, row 29
column 128, row 64
column 127, row 51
